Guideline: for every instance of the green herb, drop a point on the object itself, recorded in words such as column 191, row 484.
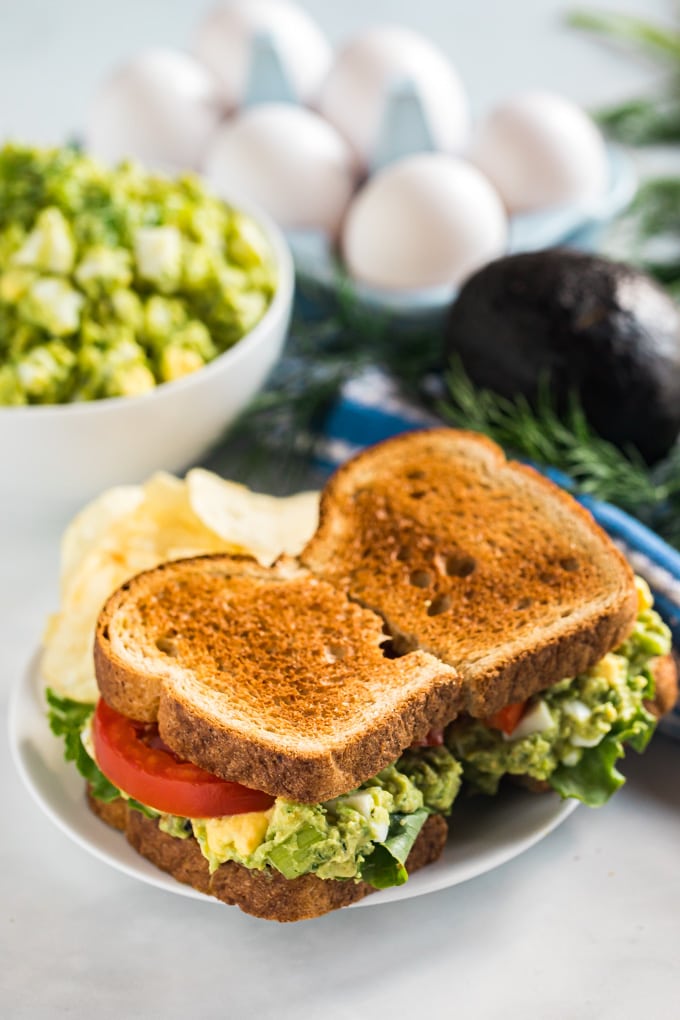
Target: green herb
column 568, row 443
column 649, row 233
column 645, row 120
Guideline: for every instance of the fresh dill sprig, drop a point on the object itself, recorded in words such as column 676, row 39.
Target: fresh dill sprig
column 568, row 443
column 649, row 234
column 645, row 120
column 329, row 345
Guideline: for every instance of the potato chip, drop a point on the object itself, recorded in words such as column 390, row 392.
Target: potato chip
column 263, row 525
column 134, row 528
column 88, row 527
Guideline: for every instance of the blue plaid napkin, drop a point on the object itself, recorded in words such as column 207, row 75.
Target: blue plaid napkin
column 371, row 410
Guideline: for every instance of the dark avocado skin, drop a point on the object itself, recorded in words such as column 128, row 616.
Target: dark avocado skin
column 601, row 328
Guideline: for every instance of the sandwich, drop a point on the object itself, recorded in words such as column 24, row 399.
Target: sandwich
column 291, row 738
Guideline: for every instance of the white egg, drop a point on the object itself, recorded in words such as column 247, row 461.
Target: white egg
column 289, row 161
column 160, row 108
column 541, row 150
column 366, row 70
column 224, row 41
column 424, row 221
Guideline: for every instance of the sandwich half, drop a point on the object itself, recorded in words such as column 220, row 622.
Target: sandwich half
column 290, row 738
column 496, row 571
column 256, row 739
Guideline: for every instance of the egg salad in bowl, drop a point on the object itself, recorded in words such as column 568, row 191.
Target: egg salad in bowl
column 138, row 316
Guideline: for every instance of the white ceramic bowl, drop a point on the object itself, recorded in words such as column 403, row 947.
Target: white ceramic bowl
column 53, row 458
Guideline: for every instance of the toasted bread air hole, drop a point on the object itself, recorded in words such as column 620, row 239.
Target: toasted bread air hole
column 569, row 563
column 524, row 603
column 394, row 646
column 460, row 565
column 415, row 476
column 421, row 578
column 440, row 604
column 167, row 645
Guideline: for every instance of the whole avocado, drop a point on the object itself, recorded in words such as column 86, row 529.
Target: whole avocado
column 600, row 328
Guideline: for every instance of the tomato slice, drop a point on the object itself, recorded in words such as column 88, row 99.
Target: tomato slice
column 433, row 738
column 134, row 758
column 507, row 718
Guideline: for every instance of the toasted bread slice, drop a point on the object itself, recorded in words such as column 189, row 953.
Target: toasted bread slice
column 265, row 894
column 478, row 560
column 271, row 678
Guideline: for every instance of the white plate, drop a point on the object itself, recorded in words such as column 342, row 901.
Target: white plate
column 484, row 833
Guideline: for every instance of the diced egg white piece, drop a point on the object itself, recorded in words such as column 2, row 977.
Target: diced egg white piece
column 571, row 758
column 62, row 304
column 363, row 803
column 578, row 741
column 536, row 720
column 102, row 263
column 29, row 253
column 158, row 252
column 379, row 830
column 49, row 247
column 576, row 710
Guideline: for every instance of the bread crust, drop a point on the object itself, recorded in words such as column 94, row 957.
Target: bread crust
column 264, row 894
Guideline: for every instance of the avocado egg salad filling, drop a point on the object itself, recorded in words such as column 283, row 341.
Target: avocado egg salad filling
column 366, row 834
column 570, row 736
column 115, row 280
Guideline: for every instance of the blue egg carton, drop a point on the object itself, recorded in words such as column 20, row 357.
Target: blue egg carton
column 404, row 131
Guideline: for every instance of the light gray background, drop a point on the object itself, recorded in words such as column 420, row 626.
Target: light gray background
column 54, row 52
column 585, row 925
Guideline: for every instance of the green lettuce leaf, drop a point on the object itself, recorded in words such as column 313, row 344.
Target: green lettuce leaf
column 67, row 719
column 386, row 866
column 595, row 777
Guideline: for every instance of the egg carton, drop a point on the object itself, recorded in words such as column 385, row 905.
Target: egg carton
column 403, row 132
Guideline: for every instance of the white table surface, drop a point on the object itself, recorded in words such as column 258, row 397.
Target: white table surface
column 584, row 925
